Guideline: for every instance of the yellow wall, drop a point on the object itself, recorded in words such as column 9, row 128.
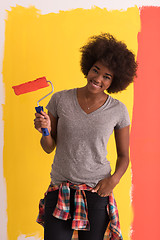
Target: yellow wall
column 48, row 45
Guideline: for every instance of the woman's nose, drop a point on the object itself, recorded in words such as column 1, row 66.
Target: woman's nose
column 98, row 78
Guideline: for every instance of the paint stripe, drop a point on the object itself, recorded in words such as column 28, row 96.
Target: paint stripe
column 57, row 46
column 145, row 150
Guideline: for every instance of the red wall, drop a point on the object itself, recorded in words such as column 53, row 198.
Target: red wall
column 145, row 132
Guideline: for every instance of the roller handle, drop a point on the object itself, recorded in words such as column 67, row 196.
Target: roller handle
column 44, row 130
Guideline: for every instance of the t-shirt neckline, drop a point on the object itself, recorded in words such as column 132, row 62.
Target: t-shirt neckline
column 94, row 112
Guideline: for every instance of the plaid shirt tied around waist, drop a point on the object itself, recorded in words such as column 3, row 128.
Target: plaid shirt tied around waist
column 80, row 217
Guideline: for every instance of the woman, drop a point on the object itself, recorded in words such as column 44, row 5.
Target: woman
column 80, row 122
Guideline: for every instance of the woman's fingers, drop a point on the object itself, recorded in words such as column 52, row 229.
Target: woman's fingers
column 104, row 187
column 42, row 121
column 96, row 188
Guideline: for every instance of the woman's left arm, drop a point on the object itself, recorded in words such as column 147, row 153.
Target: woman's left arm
column 106, row 185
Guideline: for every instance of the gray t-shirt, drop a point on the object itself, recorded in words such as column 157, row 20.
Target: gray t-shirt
column 82, row 138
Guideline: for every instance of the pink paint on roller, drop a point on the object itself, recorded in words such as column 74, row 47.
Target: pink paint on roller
column 31, row 86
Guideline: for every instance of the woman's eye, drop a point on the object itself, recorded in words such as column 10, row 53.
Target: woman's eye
column 106, row 77
column 95, row 70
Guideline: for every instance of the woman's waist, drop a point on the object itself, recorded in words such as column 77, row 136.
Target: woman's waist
column 79, row 178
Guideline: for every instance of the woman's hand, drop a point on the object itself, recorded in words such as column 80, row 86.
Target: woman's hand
column 42, row 121
column 105, row 186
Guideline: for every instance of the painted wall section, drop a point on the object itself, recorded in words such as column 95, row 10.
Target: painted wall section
column 48, row 45
column 145, row 151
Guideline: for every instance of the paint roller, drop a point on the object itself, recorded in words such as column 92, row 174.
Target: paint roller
column 34, row 86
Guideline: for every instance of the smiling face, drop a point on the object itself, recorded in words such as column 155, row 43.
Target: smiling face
column 99, row 78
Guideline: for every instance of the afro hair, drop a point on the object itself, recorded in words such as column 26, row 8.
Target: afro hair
column 112, row 54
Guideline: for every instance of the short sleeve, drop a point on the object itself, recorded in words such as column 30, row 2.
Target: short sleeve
column 124, row 119
column 53, row 104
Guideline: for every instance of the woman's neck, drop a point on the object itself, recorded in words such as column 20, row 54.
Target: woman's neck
column 92, row 96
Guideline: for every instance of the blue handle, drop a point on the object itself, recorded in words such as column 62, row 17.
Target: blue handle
column 44, row 130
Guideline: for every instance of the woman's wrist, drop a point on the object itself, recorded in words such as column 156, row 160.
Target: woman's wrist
column 48, row 143
column 116, row 178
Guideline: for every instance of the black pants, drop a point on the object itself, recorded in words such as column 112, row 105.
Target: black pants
column 57, row 229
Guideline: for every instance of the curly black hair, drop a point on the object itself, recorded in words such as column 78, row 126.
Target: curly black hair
column 114, row 55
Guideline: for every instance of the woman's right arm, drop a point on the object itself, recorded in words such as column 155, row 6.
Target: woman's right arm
column 48, row 121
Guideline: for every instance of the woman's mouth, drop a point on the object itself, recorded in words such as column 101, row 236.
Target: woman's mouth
column 95, row 85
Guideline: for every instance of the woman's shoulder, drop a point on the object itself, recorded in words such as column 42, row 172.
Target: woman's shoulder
column 59, row 98
column 116, row 101
column 118, row 105
column 62, row 94
column 121, row 113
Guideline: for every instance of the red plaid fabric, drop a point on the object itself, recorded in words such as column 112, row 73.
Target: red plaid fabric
column 62, row 210
column 113, row 231
column 80, row 218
